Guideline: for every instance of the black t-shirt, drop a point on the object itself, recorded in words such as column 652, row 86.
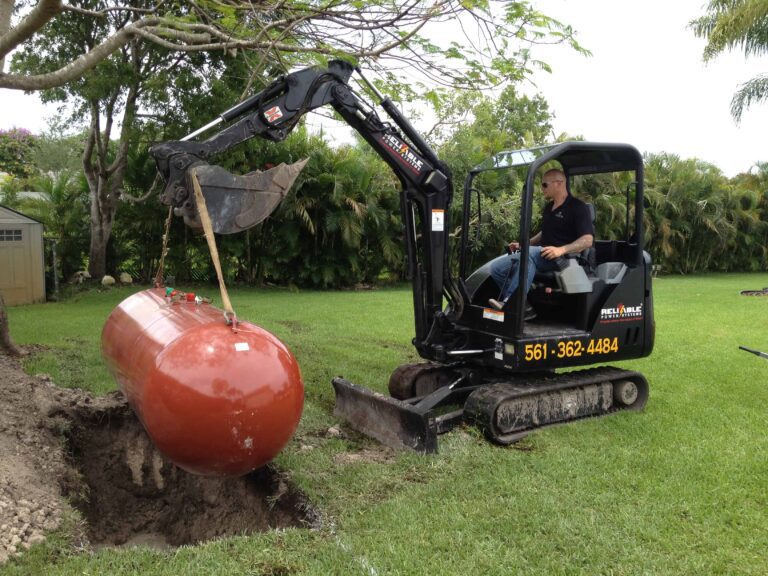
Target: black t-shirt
column 571, row 220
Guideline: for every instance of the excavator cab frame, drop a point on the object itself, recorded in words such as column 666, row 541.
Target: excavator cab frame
column 575, row 310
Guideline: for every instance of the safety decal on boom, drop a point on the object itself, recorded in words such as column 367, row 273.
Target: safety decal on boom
column 438, row 220
column 273, row 114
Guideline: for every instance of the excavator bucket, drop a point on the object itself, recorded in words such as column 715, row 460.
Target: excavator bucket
column 236, row 203
column 392, row 422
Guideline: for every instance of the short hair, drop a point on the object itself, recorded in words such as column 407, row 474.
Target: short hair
column 554, row 171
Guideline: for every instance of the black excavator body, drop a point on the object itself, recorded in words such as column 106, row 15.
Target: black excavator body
column 493, row 368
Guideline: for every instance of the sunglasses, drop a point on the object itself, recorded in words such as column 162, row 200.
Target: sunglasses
column 546, row 184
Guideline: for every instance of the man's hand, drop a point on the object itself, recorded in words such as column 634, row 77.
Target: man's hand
column 553, row 252
column 513, row 247
column 578, row 245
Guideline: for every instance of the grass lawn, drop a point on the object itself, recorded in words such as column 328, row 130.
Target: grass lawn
column 681, row 488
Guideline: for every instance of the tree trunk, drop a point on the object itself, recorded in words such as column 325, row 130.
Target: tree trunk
column 105, row 179
column 6, row 344
column 103, row 209
column 101, row 230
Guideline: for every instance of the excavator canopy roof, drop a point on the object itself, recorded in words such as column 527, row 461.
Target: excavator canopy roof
column 574, row 157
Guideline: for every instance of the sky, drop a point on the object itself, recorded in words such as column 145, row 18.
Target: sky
column 645, row 84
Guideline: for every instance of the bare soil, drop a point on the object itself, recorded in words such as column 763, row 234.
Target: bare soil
column 58, row 443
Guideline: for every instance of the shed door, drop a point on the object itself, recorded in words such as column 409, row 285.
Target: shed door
column 14, row 264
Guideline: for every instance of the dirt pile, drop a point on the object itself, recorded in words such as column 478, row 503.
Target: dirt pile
column 59, row 443
column 31, row 459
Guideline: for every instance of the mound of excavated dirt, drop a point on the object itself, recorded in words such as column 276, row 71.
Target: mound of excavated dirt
column 31, row 458
column 57, row 443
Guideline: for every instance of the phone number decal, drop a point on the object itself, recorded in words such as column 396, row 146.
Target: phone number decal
column 569, row 349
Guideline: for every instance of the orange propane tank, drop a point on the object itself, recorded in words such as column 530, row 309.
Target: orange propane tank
column 215, row 401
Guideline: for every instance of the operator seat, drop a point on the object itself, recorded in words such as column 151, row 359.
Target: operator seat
column 575, row 271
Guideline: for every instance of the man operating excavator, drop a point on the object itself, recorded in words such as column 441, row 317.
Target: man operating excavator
column 566, row 228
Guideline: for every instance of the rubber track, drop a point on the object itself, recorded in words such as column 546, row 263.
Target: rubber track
column 402, row 382
column 402, row 379
column 482, row 404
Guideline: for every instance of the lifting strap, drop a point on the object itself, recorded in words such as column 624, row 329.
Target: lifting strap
column 205, row 219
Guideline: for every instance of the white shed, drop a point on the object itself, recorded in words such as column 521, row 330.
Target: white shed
column 22, row 266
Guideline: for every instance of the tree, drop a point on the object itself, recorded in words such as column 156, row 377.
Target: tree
column 347, row 211
column 695, row 220
column 339, row 224
column 58, row 150
column 116, row 61
column 740, row 24
column 508, row 122
column 277, row 33
column 752, row 189
column 61, row 205
column 134, row 76
column 17, row 148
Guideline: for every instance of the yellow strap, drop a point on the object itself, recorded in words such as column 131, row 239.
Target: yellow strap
column 202, row 209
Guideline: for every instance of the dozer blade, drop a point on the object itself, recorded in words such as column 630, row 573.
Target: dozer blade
column 236, row 203
column 392, row 422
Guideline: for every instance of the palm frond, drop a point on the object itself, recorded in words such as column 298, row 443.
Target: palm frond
column 751, row 92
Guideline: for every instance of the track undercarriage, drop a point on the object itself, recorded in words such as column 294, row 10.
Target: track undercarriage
column 429, row 399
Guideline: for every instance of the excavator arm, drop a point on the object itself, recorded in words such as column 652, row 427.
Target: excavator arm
column 236, row 203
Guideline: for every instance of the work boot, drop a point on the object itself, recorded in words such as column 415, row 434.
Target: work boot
column 529, row 313
column 498, row 305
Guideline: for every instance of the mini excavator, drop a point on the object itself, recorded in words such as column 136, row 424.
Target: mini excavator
column 492, row 368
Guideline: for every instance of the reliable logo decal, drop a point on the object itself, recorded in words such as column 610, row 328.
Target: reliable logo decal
column 621, row 313
column 404, row 151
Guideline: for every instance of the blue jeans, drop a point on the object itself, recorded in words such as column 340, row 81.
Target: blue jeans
column 506, row 272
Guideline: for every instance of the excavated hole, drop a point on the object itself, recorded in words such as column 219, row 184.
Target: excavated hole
column 129, row 493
